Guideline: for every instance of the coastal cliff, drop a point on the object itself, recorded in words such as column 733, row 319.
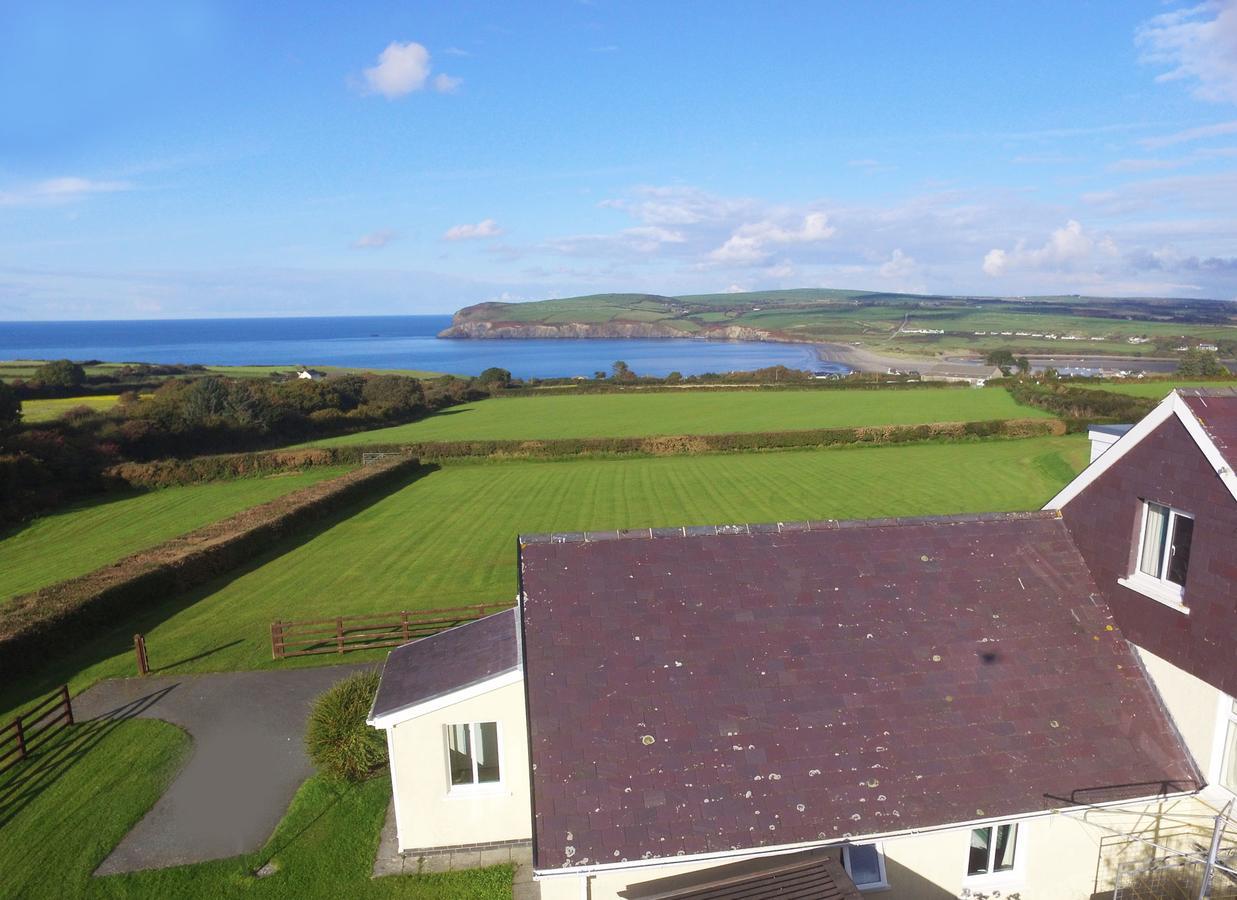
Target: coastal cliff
column 492, row 321
column 485, row 330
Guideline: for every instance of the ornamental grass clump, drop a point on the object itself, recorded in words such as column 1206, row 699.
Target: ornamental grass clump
column 340, row 744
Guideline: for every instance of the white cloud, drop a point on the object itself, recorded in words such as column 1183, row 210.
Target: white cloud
column 1067, row 248
column 1199, row 44
column 447, row 84
column 54, row 191
column 374, row 239
column 752, row 243
column 403, row 69
column 1219, row 129
column 899, row 265
column 486, row 228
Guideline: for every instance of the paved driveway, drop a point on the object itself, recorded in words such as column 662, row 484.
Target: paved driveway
column 248, row 759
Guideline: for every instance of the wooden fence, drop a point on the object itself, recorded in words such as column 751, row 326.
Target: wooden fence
column 19, row 738
column 345, row 633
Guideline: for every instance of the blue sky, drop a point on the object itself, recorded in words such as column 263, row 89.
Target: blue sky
column 219, row 159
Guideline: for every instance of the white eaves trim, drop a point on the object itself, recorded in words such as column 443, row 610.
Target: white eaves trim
column 779, row 850
column 1172, row 405
column 442, row 701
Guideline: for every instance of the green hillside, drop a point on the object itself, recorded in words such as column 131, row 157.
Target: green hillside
column 910, row 324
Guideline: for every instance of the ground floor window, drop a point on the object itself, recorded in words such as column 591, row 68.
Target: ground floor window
column 472, row 753
column 865, row 864
column 1228, row 756
column 992, row 849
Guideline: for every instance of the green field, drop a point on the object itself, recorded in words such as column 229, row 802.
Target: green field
column 696, row 412
column 45, row 410
column 63, row 812
column 1159, row 389
column 79, row 538
column 448, row 537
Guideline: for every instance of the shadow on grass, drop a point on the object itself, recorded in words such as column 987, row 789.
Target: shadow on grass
column 52, row 758
column 188, row 659
column 279, row 842
column 117, row 639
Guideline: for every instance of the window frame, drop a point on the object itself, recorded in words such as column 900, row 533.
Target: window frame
column 1158, row 587
column 1226, row 719
column 475, row 786
column 883, row 884
column 1014, row 873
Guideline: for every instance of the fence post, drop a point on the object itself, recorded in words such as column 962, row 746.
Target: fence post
column 339, row 633
column 21, row 739
column 403, row 621
column 277, row 639
column 139, row 647
column 68, row 703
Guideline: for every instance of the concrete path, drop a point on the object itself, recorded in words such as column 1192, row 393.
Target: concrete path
column 389, row 861
column 248, row 758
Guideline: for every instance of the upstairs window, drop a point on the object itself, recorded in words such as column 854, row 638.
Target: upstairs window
column 472, row 754
column 992, row 850
column 1166, row 544
column 1164, row 550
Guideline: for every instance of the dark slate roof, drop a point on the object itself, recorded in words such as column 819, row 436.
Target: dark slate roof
column 448, row 661
column 814, row 875
column 1217, row 411
column 701, row 690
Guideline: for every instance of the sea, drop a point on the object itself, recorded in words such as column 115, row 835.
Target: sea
column 383, row 342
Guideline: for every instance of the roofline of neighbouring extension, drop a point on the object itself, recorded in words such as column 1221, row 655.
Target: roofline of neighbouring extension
column 514, row 675
column 1172, row 405
column 571, row 537
column 781, row 849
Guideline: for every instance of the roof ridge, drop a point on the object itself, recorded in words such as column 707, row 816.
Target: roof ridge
column 683, row 531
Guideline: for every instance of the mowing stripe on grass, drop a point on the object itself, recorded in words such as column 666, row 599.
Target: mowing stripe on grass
column 697, row 412
column 448, row 538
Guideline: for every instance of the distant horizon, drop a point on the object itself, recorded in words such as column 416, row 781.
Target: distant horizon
column 208, row 160
column 447, row 315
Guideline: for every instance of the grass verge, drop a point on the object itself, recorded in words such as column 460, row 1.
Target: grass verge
column 71, row 805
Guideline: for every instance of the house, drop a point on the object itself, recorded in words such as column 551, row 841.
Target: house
column 975, row 375
column 310, row 374
column 1037, row 704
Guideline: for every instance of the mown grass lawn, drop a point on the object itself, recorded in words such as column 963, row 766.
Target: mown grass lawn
column 79, row 538
column 35, row 411
column 449, row 537
column 1159, row 389
column 61, row 821
column 697, row 412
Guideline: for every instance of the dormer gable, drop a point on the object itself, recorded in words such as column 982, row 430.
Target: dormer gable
column 1155, row 518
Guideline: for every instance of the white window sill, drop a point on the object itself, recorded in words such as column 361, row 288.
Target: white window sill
column 1001, row 880
column 875, row 888
column 468, row 791
column 1161, row 591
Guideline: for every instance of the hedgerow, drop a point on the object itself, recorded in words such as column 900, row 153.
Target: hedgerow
column 52, row 619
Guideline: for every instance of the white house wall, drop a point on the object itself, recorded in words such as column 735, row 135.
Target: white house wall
column 430, row 814
column 1059, row 856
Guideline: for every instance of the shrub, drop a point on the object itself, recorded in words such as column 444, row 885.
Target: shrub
column 340, row 744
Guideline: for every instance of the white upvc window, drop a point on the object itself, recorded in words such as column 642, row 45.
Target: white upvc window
column 993, row 851
column 472, row 756
column 865, row 864
column 1163, row 561
column 1226, row 736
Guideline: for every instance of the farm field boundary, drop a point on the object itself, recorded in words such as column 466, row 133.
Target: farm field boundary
column 42, row 623
column 742, row 442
